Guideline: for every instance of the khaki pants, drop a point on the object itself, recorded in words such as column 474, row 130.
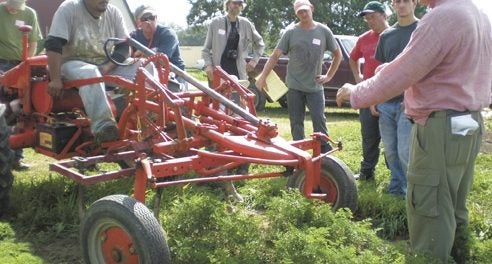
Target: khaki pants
column 440, row 175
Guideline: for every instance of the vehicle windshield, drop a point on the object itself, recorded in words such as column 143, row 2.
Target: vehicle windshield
column 347, row 42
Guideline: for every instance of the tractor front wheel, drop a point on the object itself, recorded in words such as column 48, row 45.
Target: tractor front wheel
column 336, row 181
column 6, row 155
column 119, row 229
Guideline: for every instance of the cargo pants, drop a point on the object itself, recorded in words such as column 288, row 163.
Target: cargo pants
column 440, row 176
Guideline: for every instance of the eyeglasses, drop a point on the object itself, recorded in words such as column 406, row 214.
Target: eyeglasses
column 147, row 18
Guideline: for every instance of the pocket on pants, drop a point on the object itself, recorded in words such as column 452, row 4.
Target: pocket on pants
column 423, row 191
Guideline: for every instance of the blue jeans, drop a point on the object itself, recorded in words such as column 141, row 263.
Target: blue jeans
column 395, row 131
column 315, row 102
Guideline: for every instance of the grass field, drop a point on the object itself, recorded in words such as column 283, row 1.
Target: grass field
column 273, row 225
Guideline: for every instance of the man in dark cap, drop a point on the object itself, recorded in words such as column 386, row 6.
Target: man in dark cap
column 374, row 13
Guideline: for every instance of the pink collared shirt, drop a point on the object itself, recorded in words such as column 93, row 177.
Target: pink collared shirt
column 446, row 65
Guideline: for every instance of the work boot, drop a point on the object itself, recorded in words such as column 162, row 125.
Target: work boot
column 107, row 133
column 364, row 176
column 19, row 165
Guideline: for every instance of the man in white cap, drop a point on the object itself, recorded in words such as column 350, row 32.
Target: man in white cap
column 305, row 43
column 15, row 13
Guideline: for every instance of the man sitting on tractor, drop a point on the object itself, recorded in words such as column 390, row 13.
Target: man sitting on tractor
column 75, row 50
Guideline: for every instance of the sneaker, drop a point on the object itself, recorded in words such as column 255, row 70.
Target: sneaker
column 364, row 177
column 107, row 133
column 19, row 165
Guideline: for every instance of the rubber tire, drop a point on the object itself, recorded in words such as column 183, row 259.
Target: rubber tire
column 260, row 97
column 6, row 176
column 335, row 172
column 133, row 217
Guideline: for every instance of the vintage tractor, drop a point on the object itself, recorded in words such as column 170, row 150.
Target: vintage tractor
column 162, row 135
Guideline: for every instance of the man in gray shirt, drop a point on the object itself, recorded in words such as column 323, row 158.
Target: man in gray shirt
column 305, row 42
column 75, row 51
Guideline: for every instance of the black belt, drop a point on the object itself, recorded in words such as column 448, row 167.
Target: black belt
column 449, row 112
column 15, row 62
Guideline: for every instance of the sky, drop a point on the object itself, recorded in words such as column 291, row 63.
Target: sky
column 175, row 11
column 169, row 11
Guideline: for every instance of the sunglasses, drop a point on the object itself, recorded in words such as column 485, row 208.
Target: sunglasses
column 147, row 18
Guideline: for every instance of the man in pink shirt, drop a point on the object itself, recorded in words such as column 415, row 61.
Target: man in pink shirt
column 365, row 47
column 445, row 89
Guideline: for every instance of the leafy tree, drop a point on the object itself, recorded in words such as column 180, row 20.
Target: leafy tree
column 271, row 16
column 192, row 36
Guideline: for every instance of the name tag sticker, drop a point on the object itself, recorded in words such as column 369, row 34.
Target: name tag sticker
column 221, row 32
column 316, row 41
column 19, row 23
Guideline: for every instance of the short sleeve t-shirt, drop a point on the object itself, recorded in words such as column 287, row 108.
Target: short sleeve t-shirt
column 393, row 41
column 11, row 36
column 84, row 33
column 365, row 47
column 306, row 48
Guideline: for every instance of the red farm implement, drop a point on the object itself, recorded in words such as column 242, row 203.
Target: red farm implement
column 162, row 135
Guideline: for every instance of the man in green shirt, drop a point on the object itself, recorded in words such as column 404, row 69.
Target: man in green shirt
column 305, row 43
column 13, row 14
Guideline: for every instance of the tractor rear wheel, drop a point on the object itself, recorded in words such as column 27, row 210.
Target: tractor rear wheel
column 119, row 229
column 6, row 156
column 336, row 181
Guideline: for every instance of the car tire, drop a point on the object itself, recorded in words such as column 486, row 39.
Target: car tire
column 260, row 97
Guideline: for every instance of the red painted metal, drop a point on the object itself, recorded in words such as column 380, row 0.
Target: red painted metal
column 118, row 246
column 168, row 134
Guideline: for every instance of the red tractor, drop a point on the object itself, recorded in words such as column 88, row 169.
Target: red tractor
column 162, row 135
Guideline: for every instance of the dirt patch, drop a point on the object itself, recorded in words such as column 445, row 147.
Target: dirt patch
column 65, row 250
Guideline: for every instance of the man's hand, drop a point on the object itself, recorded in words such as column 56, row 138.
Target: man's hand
column 322, row 79
column 138, row 54
column 261, row 83
column 106, row 68
column 250, row 66
column 209, row 70
column 55, row 88
column 374, row 110
column 343, row 94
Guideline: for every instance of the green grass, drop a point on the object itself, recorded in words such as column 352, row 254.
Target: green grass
column 273, row 225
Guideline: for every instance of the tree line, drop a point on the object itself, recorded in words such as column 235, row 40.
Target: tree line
column 271, row 16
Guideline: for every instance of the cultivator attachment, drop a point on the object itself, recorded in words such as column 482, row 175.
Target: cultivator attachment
column 166, row 138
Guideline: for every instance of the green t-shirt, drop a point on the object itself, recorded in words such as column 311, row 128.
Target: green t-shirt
column 393, row 41
column 11, row 36
column 306, row 48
